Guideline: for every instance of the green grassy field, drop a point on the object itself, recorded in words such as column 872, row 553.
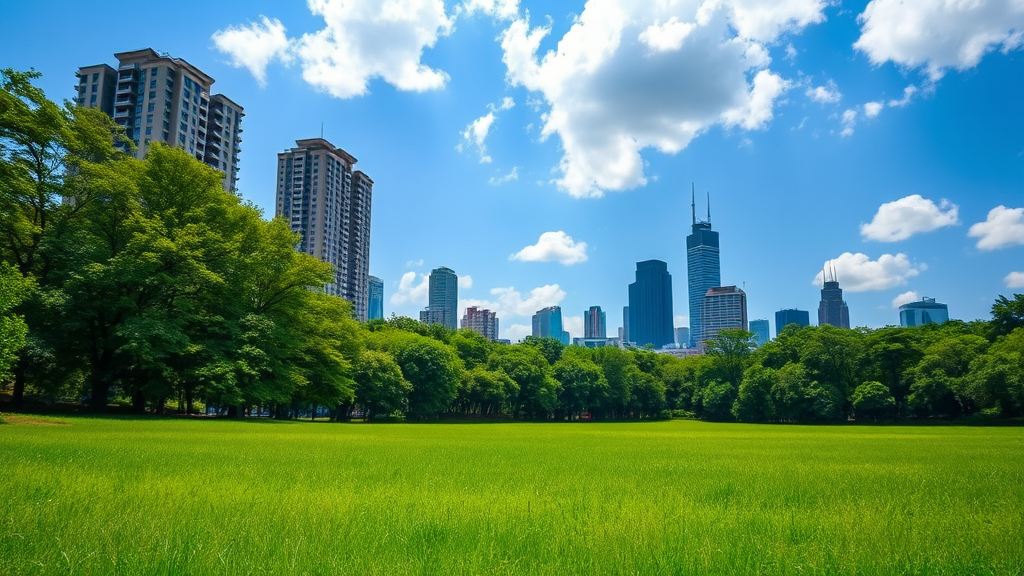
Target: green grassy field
column 111, row 496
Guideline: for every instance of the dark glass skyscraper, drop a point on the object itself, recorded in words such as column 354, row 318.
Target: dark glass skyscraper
column 375, row 299
column 594, row 323
column 703, row 268
column 789, row 316
column 832, row 309
column 650, row 305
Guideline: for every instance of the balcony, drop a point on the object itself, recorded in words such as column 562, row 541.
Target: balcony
column 125, row 88
column 122, row 113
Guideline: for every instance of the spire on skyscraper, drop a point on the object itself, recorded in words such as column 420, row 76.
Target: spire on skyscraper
column 693, row 202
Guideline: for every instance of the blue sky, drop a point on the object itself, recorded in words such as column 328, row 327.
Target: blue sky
column 888, row 136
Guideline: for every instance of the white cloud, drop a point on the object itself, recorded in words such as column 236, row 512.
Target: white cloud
column 1014, row 280
column 859, row 273
column 573, row 325
column 410, row 291
column 1003, row 227
column 254, row 46
column 908, row 93
column 937, row 35
column 509, row 302
column 465, row 282
column 414, row 263
column 628, row 76
column 827, row 94
column 682, row 320
column 499, row 180
column 516, row 332
column 476, row 132
column 905, row 298
column 502, row 9
column 849, row 121
column 361, row 40
column 901, row 219
column 872, row 109
column 554, row 246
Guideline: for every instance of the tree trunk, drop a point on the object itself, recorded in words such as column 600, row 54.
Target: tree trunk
column 18, row 398
column 138, row 402
column 233, row 411
column 99, row 390
column 188, row 401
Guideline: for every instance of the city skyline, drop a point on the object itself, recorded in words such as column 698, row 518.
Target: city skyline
column 903, row 168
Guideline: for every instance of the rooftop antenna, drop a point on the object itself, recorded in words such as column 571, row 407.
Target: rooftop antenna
column 693, row 202
column 709, row 207
column 321, row 130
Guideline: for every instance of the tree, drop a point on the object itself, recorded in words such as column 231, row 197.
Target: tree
column 717, row 400
column 1007, row 314
column 614, row 362
column 14, row 288
column 471, row 347
column 729, row 353
column 581, row 384
column 538, row 392
column 380, row 386
column 430, row 366
column 873, row 401
column 551, row 348
column 754, row 398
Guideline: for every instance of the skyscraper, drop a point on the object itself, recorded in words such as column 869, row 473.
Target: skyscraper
column 375, row 298
column 650, row 305
column 924, row 311
column 547, row 323
column 761, row 331
column 443, row 301
column 724, row 307
column 683, row 337
column 481, row 321
column 594, row 323
column 328, row 204
column 703, row 267
column 789, row 316
column 832, row 309
column 157, row 98
column 625, row 324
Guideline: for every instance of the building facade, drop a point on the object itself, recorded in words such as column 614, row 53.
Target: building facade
column 832, row 309
column 443, row 298
column 328, row 204
column 789, row 316
column 594, row 325
column 157, row 98
column 595, row 342
column 703, row 268
column 724, row 307
column 374, row 298
column 761, row 330
column 650, row 305
column 624, row 331
column 683, row 337
column 481, row 321
column 924, row 311
column 547, row 323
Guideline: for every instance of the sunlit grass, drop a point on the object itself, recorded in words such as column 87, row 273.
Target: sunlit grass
column 107, row 496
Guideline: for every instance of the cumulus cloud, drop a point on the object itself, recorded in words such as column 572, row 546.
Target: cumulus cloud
column 905, row 298
column 573, row 325
column 908, row 93
column 901, row 219
column 414, row 263
column 475, row 134
column 872, row 109
column 827, row 94
column 628, row 76
column 1003, row 227
column 1014, row 280
column 554, row 247
column 516, row 332
column 499, row 180
column 410, row 290
column 501, row 9
column 859, row 273
column 938, row 36
column 849, row 120
column 509, row 302
column 361, row 40
column 681, row 320
column 253, row 46
column 465, row 282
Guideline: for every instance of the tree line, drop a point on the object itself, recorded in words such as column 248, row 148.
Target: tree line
column 142, row 282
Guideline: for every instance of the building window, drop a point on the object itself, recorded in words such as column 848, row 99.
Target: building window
column 149, row 118
column 154, row 71
column 149, row 130
column 151, row 107
column 95, row 76
column 138, row 109
column 92, row 99
column 152, row 95
column 94, row 87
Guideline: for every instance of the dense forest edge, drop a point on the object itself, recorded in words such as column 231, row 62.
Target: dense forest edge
column 142, row 286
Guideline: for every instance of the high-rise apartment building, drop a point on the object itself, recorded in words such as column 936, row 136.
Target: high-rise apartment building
column 832, row 309
column 328, row 204
column 157, row 98
column 443, row 300
column 594, row 325
column 724, row 307
column 924, row 311
column 547, row 323
column 650, row 305
column 683, row 336
column 481, row 321
column 703, row 268
column 789, row 316
column 374, row 298
column 761, row 330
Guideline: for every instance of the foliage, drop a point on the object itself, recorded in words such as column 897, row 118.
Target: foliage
column 873, row 401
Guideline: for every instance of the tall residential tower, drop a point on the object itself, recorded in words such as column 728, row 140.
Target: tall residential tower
column 328, row 204
column 703, row 267
column 594, row 323
column 443, row 300
column 650, row 305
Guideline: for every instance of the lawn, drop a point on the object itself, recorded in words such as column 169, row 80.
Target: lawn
column 147, row 497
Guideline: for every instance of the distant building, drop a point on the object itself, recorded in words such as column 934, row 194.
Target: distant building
column 832, row 309
column 157, row 98
column 375, row 298
column 924, row 311
column 625, row 325
column 327, row 202
column 789, row 316
column 761, row 331
column 481, row 321
column 683, row 337
column 547, row 323
column 594, row 323
column 703, row 268
column 595, row 342
column 724, row 307
column 650, row 305
column 443, row 300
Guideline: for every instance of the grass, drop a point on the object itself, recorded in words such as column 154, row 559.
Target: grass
column 113, row 496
